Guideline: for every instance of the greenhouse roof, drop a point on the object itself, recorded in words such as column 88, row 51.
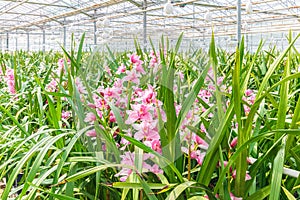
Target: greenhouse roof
column 123, row 19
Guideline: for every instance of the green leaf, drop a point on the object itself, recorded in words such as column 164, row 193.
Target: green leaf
column 277, row 171
column 152, row 186
column 197, row 198
column 66, row 153
column 281, row 116
column 147, row 189
column 119, row 119
column 188, row 102
column 91, row 171
column 58, row 196
column 176, row 192
column 162, row 161
column 244, row 146
column 38, row 161
column 14, row 120
column 288, row 194
column 241, row 165
column 20, row 164
column 273, row 67
column 79, row 51
column 57, row 94
column 260, row 194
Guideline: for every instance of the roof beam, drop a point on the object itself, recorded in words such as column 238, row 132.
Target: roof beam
column 12, row 7
column 67, row 14
column 135, row 3
column 41, row 3
column 29, row 14
column 49, row 4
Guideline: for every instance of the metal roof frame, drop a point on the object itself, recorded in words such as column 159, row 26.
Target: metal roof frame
column 58, row 17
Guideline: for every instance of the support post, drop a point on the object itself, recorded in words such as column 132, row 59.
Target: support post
column 44, row 40
column 239, row 20
column 7, row 41
column 145, row 25
column 28, row 44
column 16, row 42
column 65, row 33
column 95, row 28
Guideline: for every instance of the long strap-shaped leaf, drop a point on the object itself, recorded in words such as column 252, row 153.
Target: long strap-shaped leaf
column 281, row 116
column 255, row 105
column 211, row 157
column 38, row 160
column 25, row 133
column 66, row 155
column 241, row 165
column 188, row 102
column 176, row 192
column 20, row 164
column 162, row 161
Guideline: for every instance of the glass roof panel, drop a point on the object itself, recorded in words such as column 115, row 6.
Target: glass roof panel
column 125, row 18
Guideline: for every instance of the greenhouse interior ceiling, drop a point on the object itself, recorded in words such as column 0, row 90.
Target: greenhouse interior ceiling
column 49, row 24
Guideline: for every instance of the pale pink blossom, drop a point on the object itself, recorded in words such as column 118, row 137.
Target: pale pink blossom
column 9, row 75
column 200, row 141
column 139, row 68
column 248, row 92
column 52, row 86
column 247, row 177
column 247, row 109
column 128, row 160
column 107, row 69
column 90, row 118
column 233, row 143
column 205, row 95
column 200, row 158
column 100, row 103
column 149, row 95
column 11, row 86
column 177, row 109
column 135, row 59
column 220, row 80
column 195, row 154
column 10, row 80
column 252, row 99
column 232, row 197
column 65, row 114
column 181, row 75
column 132, row 76
column 124, row 141
column 109, row 92
column 91, row 105
column 225, row 164
column 146, row 131
column 99, row 112
column 118, row 86
column 112, row 117
column 156, row 170
column 162, row 113
column 91, row 133
column 210, row 75
column 202, row 128
column 155, row 145
column 211, row 87
column 61, row 66
column 121, row 69
column 139, row 112
column 153, row 60
column 80, row 86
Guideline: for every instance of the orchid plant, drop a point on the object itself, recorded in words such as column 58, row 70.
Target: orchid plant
column 150, row 125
